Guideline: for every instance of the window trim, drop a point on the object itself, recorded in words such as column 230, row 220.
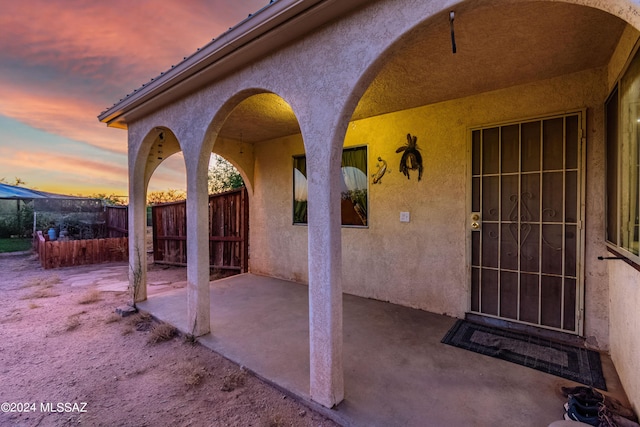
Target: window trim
column 621, row 176
column 368, row 189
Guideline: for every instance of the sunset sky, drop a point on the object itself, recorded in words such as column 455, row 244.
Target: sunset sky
column 62, row 62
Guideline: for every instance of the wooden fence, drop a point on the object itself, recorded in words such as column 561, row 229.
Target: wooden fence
column 228, row 232
column 67, row 253
column 54, row 254
column 117, row 221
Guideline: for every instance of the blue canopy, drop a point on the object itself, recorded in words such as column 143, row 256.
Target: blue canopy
column 21, row 193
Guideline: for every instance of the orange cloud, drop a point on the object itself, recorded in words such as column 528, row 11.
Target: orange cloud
column 60, row 115
column 62, row 62
column 137, row 40
column 50, row 162
column 69, row 174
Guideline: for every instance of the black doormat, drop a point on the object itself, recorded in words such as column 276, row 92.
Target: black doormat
column 563, row 360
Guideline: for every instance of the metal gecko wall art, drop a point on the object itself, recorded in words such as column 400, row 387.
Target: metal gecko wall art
column 382, row 169
column 411, row 157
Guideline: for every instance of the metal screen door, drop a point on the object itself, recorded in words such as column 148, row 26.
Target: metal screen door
column 526, row 222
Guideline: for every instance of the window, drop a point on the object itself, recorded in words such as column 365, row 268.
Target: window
column 354, row 199
column 611, row 111
column 623, row 160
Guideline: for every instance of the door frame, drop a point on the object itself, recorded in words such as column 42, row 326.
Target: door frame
column 581, row 193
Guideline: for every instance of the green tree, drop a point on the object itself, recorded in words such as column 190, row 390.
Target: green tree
column 223, row 176
column 166, row 196
column 17, row 181
column 110, row 199
column 18, row 223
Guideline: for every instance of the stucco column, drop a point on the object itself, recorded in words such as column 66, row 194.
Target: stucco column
column 325, row 277
column 198, row 302
column 137, row 229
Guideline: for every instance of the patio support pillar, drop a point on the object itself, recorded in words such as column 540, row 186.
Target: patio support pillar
column 198, row 299
column 137, row 213
column 325, row 274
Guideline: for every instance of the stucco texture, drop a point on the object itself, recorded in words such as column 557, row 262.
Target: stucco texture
column 422, row 263
column 625, row 324
column 277, row 247
column 624, row 280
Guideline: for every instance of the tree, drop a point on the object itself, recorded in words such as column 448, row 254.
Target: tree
column 16, row 224
column 167, row 196
column 110, row 199
column 223, row 176
column 17, row 181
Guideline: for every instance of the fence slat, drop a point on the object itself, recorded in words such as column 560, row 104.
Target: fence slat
column 117, row 221
column 228, row 231
column 80, row 252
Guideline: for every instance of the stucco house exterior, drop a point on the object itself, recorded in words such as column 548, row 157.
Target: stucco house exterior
column 525, row 116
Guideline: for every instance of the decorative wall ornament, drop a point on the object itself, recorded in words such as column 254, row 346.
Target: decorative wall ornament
column 382, row 169
column 411, row 158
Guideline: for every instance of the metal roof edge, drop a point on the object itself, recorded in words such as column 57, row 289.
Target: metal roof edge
column 248, row 30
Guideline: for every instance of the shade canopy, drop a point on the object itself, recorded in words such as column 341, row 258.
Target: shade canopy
column 17, row 193
column 50, row 202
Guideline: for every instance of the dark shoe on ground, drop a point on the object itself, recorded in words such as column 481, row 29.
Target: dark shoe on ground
column 583, row 391
column 590, row 417
column 588, row 396
column 583, row 405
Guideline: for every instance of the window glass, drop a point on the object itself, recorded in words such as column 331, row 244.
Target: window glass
column 353, row 194
column 299, row 190
column 628, row 159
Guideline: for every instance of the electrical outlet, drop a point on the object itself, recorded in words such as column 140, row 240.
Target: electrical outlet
column 404, row 216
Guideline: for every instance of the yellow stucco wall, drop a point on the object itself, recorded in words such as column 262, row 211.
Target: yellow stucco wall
column 277, row 248
column 423, row 263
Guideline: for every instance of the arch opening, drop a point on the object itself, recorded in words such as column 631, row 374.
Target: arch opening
column 255, row 130
column 421, row 96
column 165, row 223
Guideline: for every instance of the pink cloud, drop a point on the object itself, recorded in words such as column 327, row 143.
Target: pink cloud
column 70, row 174
column 68, row 117
column 48, row 171
column 141, row 37
column 52, row 162
column 42, row 168
column 62, row 62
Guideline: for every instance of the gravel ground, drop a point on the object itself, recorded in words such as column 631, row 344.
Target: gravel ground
column 67, row 359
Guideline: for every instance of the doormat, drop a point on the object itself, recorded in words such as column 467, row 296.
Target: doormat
column 563, row 360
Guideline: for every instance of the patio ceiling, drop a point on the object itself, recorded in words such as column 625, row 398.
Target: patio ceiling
column 497, row 47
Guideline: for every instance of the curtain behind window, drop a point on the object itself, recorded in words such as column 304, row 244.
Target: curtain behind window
column 355, row 183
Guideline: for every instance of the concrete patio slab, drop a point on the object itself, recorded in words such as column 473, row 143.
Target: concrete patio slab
column 113, row 277
column 397, row 373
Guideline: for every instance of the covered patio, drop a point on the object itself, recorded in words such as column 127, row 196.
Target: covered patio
column 397, row 373
column 521, row 117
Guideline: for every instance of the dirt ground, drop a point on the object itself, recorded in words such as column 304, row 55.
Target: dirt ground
column 67, row 359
